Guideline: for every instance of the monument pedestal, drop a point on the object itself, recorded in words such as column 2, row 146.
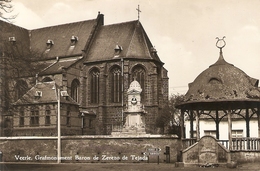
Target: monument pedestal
column 134, row 124
column 134, row 112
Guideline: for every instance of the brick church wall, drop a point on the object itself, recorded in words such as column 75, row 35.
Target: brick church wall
column 109, row 113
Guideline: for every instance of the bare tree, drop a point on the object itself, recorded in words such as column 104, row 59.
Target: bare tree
column 18, row 68
column 6, row 8
column 169, row 116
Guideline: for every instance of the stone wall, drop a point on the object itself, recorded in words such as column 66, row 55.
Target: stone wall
column 245, row 156
column 25, row 150
column 206, row 150
column 89, row 149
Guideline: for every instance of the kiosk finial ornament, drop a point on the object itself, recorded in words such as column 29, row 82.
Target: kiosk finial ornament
column 221, row 43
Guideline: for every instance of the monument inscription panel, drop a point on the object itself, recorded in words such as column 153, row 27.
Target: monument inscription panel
column 208, row 150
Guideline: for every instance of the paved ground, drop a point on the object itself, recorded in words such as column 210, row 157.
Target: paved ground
column 118, row 167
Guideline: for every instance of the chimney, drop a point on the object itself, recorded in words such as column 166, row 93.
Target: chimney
column 100, row 18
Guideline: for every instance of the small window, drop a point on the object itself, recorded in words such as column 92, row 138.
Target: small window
column 34, row 120
column 49, row 43
column 47, row 117
column 12, row 39
column 38, row 94
column 68, row 117
column 21, row 121
column 118, row 49
column 237, row 133
column 73, row 40
column 90, row 123
column 7, row 123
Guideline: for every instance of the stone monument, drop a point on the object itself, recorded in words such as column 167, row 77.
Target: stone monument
column 135, row 120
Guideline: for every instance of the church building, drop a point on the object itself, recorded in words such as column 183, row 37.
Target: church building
column 82, row 72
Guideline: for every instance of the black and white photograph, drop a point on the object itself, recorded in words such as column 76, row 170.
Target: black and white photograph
column 129, row 85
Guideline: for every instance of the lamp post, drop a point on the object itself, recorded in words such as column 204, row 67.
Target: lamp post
column 122, row 75
column 59, row 131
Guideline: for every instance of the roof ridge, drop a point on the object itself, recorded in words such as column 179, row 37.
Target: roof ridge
column 14, row 25
column 131, row 39
column 145, row 41
column 132, row 21
column 62, row 24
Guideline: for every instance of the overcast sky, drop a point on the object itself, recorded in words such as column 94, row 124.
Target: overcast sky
column 183, row 31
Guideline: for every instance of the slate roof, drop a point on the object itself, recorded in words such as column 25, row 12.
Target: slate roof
column 49, row 95
column 57, row 66
column 222, row 82
column 129, row 35
column 61, row 36
column 21, row 35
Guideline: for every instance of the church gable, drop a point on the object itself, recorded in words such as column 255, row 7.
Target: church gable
column 123, row 40
column 108, row 37
column 138, row 47
column 44, row 92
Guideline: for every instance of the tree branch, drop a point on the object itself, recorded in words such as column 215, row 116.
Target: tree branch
column 6, row 7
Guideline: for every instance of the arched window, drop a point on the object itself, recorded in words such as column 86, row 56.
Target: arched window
column 116, row 85
column 138, row 73
column 75, row 90
column 20, row 89
column 94, row 85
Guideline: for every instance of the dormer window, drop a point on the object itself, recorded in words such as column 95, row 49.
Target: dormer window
column 64, row 94
column 118, row 50
column 49, row 43
column 153, row 50
column 38, row 94
column 73, row 40
column 12, row 40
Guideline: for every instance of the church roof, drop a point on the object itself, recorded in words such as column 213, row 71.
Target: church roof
column 61, row 36
column 58, row 65
column 94, row 42
column 20, row 35
column 129, row 36
column 43, row 92
column 222, row 82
